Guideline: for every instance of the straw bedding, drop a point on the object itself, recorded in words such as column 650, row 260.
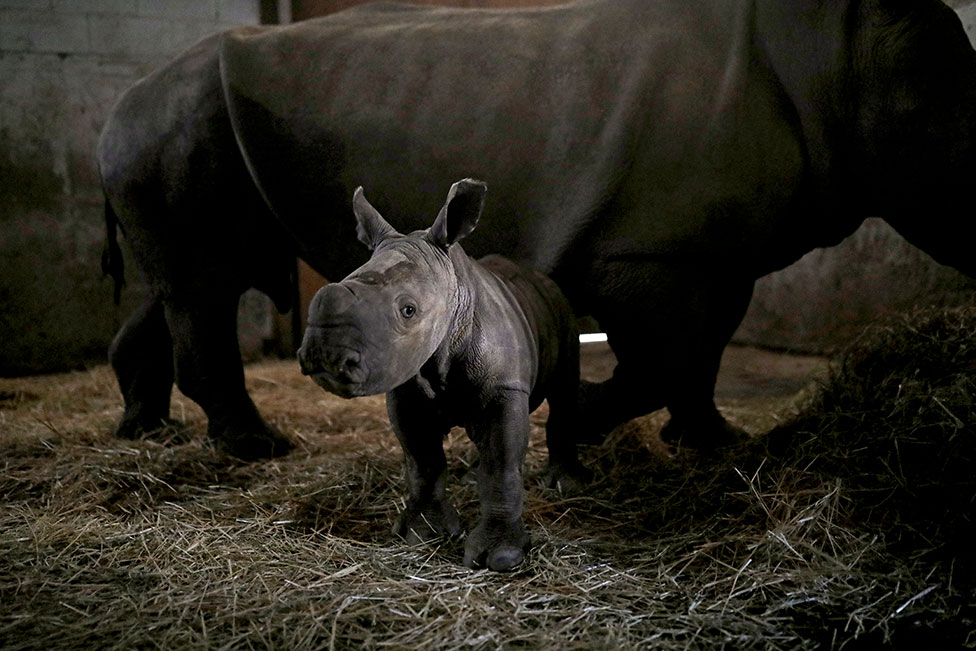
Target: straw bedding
column 849, row 525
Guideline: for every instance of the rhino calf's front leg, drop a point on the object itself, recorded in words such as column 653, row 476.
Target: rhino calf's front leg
column 428, row 513
column 501, row 432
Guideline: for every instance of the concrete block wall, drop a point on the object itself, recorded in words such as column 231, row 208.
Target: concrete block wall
column 127, row 30
column 62, row 65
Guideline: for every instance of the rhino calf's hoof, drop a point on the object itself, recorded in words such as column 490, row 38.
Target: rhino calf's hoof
column 505, row 559
column 568, row 478
column 500, row 551
column 417, row 525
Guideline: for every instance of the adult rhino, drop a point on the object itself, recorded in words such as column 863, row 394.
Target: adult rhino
column 654, row 157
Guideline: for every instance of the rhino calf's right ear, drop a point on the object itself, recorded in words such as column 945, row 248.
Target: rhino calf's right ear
column 460, row 213
column 371, row 228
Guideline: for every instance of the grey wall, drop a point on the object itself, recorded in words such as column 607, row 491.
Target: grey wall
column 62, row 64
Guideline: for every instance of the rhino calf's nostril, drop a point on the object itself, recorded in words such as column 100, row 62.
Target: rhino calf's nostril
column 349, row 365
column 301, row 358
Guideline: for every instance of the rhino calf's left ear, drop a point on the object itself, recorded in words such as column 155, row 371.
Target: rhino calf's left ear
column 460, row 213
column 371, row 228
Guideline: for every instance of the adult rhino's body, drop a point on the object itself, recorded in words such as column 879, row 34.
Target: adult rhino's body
column 653, row 157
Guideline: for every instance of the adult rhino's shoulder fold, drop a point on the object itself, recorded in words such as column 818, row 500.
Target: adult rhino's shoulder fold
column 239, row 48
column 272, row 65
column 253, row 92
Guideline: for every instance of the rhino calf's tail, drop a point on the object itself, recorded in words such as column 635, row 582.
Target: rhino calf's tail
column 112, row 263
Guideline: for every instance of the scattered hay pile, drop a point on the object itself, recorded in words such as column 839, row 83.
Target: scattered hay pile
column 845, row 528
column 897, row 424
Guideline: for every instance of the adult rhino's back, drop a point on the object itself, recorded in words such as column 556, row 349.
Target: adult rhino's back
column 163, row 119
column 551, row 105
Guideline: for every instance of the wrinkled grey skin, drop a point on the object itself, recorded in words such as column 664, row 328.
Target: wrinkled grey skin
column 452, row 341
column 652, row 157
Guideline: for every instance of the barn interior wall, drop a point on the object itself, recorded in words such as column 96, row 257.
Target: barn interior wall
column 62, row 65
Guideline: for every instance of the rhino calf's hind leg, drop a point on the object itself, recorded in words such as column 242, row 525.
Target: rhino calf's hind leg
column 210, row 372
column 565, row 471
column 142, row 357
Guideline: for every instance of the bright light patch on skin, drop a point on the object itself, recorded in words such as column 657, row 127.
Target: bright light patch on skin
column 386, row 260
column 593, row 337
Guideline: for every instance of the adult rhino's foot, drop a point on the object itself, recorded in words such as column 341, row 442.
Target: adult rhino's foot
column 593, row 425
column 163, row 430
column 433, row 520
column 257, row 441
column 569, row 478
column 706, row 434
column 499, row 548
column 605, row 405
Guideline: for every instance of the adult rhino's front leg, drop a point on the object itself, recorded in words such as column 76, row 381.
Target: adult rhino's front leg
column 501, row 432
column 565, row 472
column 668, row 328
column 428, row 513
column 209, row 371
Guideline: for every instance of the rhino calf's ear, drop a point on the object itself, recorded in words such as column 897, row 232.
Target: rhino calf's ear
column 371, row 228
column 460, row 213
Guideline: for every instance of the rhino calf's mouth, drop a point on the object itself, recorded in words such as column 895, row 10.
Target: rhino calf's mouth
column 337, row 369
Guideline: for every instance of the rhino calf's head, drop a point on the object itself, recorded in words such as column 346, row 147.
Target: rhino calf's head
column 376, row 328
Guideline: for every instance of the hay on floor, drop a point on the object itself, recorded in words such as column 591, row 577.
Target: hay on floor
column 846, row 527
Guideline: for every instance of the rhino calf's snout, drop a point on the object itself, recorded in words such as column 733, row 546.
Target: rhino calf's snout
column 339, row 362
column 330, row 300
column 344, row 366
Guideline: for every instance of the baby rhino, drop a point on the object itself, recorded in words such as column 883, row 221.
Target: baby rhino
column 452, row 341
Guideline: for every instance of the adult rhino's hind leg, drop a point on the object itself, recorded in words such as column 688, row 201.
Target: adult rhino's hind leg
column 142, row 357
column 210, row 372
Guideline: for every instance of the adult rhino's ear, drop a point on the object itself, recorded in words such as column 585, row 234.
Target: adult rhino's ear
column 460, row 213
column 371, row 228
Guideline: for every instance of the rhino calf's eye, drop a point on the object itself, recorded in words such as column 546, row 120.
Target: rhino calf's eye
column 408, row 311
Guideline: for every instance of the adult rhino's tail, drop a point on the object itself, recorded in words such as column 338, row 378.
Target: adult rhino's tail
column 112, row 263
